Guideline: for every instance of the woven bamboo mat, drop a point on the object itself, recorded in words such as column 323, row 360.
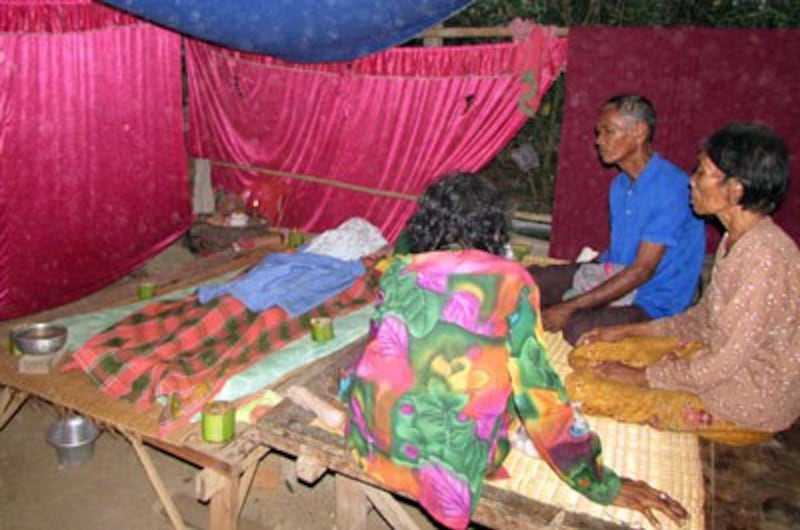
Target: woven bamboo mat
column 667, row 461
column 74, row 391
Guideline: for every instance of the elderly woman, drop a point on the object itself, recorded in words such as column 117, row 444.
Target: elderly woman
column 744, row 382
column 455, row 362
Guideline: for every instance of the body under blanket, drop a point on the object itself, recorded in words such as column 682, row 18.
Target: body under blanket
column 181, row 352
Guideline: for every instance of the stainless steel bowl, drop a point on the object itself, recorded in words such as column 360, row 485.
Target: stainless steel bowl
column 40, row 338
column 73, row 439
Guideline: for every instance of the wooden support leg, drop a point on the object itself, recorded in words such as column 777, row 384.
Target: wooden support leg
column 268, row 473
column 224, row 505
column 309, row 469
column 156, row 482
column 10, row 402
column 248, row 468
column 245, row 482
column 289, row 473
column 352, row 504
column 211, row 485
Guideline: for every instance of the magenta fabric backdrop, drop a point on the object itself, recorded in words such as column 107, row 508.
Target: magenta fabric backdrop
column 393, row 121
column 699, row 80
column 56, row 16
column 92, row 157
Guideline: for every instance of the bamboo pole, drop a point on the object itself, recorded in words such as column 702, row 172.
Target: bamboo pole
column 317, row 180
column 432, row 42
column 456, row 32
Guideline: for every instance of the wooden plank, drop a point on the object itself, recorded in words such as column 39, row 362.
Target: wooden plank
column 224, row 505
column 456, row 32
column 331, row 415
column 155, row 481
column 207, row 483
column 318, row 180
column 461, row 32
column 497, row 508
column 10, row 402
column 288, row 429
column 195, row 456
column 245, row 482
column 230, row 458
column 124, row 291
column 390, row 509
column 73, row 391
column 210, row 482
column 309, row 469
column 432, row 39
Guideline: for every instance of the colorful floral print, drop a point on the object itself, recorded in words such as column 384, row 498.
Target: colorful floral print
column 454, row 361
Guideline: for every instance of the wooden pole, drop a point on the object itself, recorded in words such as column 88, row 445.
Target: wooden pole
column 10, row 401
column 155, row 480
column 431, row 41
column 455, row 32
column 317, row 180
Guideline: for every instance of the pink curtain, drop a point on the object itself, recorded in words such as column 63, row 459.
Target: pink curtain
column 699, row 80
column 384, row 126
column 92, row 157
column 59, row 16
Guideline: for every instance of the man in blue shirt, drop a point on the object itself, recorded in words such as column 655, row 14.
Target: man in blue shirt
column 657, row 244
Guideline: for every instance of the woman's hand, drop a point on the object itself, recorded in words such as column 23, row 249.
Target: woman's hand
column 639, row 496
column 555, row 317
column 604, row 334
column 622, row 374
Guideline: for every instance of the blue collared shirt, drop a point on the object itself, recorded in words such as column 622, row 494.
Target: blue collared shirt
column 655, row 207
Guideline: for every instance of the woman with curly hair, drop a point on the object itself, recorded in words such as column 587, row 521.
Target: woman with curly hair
column 455, row 364
column 463, row 211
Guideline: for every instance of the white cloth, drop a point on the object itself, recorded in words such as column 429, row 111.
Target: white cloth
column 587, row 254
column 351, row 240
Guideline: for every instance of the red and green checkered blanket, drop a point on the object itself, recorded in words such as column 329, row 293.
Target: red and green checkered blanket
column 181, row 352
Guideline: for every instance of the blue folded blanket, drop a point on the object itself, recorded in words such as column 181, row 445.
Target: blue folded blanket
column 295, row 282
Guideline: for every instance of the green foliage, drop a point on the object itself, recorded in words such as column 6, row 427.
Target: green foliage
column 710, row 13
column 532, row 190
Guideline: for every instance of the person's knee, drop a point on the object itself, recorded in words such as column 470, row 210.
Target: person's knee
column 552, row 281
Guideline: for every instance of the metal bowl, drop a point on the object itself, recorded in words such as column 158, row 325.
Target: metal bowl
column 40, row 338
column 73, row 439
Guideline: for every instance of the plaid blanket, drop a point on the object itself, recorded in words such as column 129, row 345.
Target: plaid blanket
column 181, row 352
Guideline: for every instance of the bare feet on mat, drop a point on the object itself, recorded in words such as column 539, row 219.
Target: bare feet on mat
column 622, row 374
column 603, row 334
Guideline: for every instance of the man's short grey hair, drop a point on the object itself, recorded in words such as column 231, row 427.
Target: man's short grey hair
column 636, row 107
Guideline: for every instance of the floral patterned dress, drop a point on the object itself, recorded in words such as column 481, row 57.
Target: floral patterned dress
column 454, row 363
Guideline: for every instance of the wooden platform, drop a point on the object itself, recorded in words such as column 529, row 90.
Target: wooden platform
column 226, row 472
column 738, row 480
column 291, row 430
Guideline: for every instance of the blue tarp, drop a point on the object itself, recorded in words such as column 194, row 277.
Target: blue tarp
column 297, row 30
